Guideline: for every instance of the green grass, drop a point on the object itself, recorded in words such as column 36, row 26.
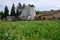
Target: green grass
column 30, row 30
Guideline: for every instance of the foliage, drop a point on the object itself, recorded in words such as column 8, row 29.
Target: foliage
column 39, row 12
column 6, row 11
column 17, row 13
column 1, row 13
column 24, row 5
column 30, row 30
column 19, row 7
column 13, row 10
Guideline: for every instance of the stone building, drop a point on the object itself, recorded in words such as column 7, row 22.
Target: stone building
column 28, row 13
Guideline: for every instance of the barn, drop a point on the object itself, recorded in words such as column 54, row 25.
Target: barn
column 54, row 15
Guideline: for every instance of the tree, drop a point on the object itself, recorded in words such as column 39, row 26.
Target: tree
column 17, row 13
column 1, row 13
column 13, row 10
column 19, row 5
column 18, row 10
column 6, row 11
column 23, row 5
column 31, row 5
column 39, row 12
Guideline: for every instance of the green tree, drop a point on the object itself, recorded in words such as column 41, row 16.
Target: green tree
column 1, row 12
column 39, row 12
column 6, row 11
column 19, row 5
column 13, row 10
column 23, row 5
column 18, row 11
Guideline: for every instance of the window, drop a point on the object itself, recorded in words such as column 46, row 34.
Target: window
column 53, row 17
column 58, row 18
column 43, row 18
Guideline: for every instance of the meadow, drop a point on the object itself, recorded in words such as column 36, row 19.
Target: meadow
column 30, row 30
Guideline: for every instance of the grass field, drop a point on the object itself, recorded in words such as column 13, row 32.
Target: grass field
column 30, row 30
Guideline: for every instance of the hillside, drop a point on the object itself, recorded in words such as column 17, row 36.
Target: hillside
column 30, row 30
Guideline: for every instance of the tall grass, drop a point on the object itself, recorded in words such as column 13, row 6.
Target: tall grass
column 30, row 30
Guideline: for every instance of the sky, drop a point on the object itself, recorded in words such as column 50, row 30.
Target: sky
column 40, row 5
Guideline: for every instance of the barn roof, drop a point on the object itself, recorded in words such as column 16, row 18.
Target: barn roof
column 50, row 13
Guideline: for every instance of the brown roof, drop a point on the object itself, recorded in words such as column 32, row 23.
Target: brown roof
column 51, row 13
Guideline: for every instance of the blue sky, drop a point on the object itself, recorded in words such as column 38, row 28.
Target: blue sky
column 39, row 4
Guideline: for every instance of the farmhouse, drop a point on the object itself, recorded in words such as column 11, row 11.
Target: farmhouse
column 52, row 15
